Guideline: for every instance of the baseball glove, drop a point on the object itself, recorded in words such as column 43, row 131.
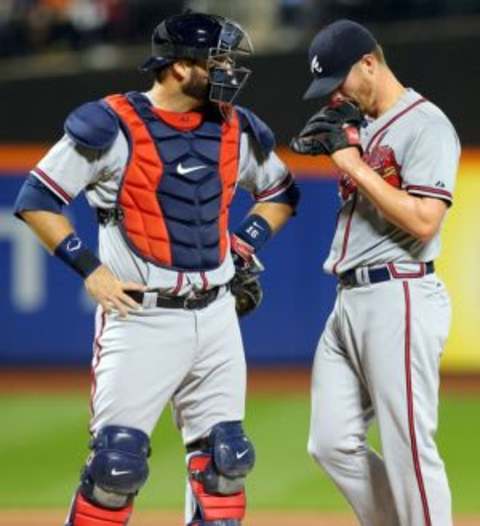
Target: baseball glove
column 333, row 128
column 245, row 284
column 247, row 290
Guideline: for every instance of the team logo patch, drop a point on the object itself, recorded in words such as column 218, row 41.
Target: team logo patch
column 382, row 159
column 315, row 67
column 74, row 244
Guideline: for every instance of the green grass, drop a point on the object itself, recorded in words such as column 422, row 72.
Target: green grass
column 43, row 445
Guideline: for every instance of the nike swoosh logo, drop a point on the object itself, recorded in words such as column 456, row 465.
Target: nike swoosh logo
column 116, row 473
column 242, row 454
column 183, row 171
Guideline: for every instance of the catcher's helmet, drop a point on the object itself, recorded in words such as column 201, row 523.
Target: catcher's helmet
column 198, row 36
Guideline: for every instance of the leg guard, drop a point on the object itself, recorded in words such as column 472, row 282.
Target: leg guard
column 217, row 468
column 115, row 471
column 85, row 513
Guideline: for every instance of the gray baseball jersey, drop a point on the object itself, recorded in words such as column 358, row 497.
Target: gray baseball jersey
column 414, row 147
column 380, row 350
column 68, row 169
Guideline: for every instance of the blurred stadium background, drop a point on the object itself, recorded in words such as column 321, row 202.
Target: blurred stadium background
column 56, row 54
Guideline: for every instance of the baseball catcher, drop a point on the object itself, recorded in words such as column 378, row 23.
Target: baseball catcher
column 161, row 169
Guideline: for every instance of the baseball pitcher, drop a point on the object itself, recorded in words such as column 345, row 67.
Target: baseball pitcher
column 161, row 168
column 397, row 155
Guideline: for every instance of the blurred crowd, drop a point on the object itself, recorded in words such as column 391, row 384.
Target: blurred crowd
column 29, row 26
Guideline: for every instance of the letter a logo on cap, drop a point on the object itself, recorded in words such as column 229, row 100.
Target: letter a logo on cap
column 315, row 66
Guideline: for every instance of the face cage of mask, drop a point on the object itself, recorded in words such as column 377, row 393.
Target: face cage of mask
column 225, row 78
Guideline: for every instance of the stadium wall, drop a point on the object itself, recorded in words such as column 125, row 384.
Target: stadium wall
column 47, row 319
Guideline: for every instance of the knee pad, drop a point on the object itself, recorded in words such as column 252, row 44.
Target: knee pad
column 117, row 467
column 233, row 457
column 217, row 472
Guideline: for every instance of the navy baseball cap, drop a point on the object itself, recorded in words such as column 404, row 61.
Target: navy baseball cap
column 333, row 52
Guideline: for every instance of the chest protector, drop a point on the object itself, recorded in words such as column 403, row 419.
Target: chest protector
column 178, row 185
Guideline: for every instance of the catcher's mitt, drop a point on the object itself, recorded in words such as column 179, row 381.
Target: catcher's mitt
column 245, row 284
column 333, row 128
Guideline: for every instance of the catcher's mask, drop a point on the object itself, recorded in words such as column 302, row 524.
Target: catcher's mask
column 211, row 38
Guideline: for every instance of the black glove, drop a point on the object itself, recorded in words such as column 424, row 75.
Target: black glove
column 332, row 128
column 245, row 284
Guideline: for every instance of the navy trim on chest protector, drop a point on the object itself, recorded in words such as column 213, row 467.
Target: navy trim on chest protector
column 190, row 189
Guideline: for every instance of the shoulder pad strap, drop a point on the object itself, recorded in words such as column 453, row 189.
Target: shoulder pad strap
column 256, row 127
column 93, row 125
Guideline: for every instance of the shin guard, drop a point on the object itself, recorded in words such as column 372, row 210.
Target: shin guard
column 84, row 513
column 212, row 509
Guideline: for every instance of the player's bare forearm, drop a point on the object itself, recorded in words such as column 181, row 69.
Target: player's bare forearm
column 419, row 216
column 50, row 228
column 276, row 214
column 101, row 284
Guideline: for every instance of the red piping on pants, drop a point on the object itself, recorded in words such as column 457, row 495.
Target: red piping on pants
column 97, row 348
column 411, row 409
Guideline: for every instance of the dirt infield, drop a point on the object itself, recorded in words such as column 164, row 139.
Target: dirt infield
column 260, row 380
column 153, row 518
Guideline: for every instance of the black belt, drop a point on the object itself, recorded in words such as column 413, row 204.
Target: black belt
column 199, row 300
column 109, row 215
column 386, row 273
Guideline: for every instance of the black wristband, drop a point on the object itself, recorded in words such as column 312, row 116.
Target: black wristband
column 77, row 256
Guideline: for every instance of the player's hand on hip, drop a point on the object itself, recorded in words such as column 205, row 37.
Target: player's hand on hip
column 110, row 292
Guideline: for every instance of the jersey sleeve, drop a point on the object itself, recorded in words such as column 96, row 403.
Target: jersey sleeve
column 431, row 162
column 266, row 177
column 69, row 168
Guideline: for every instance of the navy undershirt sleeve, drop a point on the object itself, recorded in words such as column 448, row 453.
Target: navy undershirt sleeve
column 34, row 195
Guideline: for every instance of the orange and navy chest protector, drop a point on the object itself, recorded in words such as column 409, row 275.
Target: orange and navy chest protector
column 178, row 185
column 173, row 201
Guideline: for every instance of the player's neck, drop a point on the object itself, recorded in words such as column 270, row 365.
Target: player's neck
column 390, row 91
column 172, row 100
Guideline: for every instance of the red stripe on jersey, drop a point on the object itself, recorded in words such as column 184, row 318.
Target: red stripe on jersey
column 347, row 234
column 286, row 182
column 429, row 190
column 204, row 280
column 392, row 120
column 178, row 287
column 52, row 184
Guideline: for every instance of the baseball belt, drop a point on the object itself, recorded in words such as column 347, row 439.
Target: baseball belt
column 379, row 274
column 196, row 301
